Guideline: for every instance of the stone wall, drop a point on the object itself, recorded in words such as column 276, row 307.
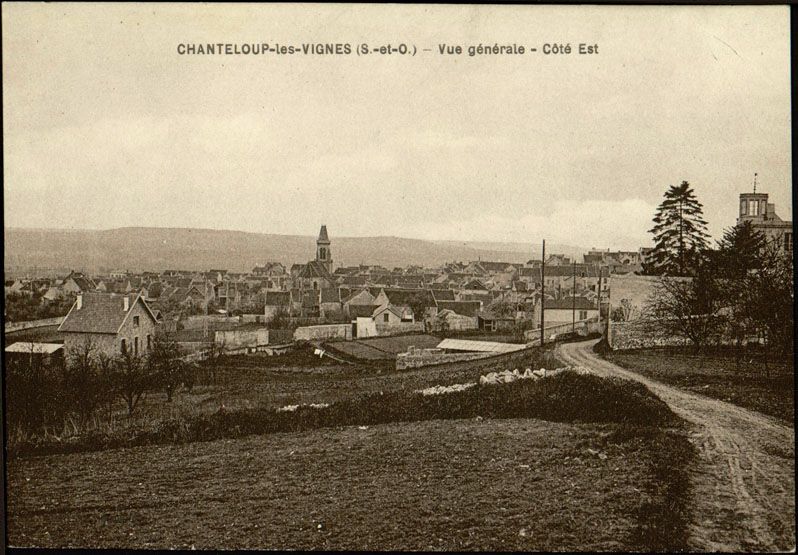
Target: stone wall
column 399, row 328
column 324, row 332
column 19, row 326
column 197, row 322
column 636, row 335
column 425, row 358
column 237, row 339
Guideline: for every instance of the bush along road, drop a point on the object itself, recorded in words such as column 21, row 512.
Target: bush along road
column 743, row 479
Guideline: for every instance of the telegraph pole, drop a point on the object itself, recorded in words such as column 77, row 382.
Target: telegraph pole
column 599, row 295
column 573, row 299
column 205, row 320
column 542, row 290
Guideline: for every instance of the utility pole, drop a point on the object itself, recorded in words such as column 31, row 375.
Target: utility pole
column 599, row 295
column 205, row 320
column 573, row 299
column 542, row 290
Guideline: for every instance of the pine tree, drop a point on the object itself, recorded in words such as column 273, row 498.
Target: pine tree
column 740, row 249
column 679, row 233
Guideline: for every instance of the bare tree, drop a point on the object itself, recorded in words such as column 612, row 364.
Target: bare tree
column 164, row 363
column 687, row 308
column 132, row 379
column 84, row 383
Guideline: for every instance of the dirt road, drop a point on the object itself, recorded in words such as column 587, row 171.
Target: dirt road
column 743, row 480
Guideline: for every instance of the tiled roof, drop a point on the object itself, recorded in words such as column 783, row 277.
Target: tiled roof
column 443, row 295
column 361, row 310
column 278, row 298
column 402, row 297
column 474, row 284
column 99, row 313
column 330, row 295
column 314, row 269
column 323, row 234
column 464, row 308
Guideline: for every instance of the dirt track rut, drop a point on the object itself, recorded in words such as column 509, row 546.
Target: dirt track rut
column 743, row 480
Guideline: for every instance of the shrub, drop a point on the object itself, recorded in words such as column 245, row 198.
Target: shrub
column 565, row 397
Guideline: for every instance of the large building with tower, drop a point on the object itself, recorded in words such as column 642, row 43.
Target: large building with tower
column 755, row 208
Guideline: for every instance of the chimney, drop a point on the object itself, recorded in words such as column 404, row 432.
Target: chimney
column 80, row 301
column 127, row 303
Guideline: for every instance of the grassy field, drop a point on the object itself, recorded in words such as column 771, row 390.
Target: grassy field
column 384, row 348
column 259, row 380
column 460, row 484
column 717, row 375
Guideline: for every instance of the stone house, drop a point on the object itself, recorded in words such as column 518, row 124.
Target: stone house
column 113, row 323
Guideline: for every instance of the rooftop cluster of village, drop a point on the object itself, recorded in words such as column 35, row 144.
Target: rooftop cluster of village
column 457, row 296
column 490, row 293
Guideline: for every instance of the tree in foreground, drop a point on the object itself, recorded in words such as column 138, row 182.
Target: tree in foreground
column 679, row 231
column 132, row 379
column 165, row 365
column 687, row 307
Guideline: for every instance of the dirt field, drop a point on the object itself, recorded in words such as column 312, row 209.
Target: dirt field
column 493, row 485
column 743, row 481
column 748, row 384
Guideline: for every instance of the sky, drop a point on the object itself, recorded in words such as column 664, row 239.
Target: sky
column 106, row 125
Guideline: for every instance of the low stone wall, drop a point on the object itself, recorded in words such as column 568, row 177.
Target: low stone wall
column 637, row 335
column 253, row 319
column 400, row 328
column 19, row 326
column 324, row 332
column 238, row 339
column 422, row 358
column 197, row 322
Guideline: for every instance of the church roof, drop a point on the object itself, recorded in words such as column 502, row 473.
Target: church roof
column 323, row 234
column 314, row 269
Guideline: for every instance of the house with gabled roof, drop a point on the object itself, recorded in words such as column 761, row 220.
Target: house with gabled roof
column 113, row 323
column 77, row 282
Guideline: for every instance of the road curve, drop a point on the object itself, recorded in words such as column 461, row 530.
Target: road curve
column 743, row 481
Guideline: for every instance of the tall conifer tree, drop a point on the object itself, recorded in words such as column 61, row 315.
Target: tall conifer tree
column 680, row 234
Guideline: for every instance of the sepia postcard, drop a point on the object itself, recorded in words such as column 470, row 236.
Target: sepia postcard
column 398, row 277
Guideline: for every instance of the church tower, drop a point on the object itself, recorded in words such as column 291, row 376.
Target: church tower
column 323, row 254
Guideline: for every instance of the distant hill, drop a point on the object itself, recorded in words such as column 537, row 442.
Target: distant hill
column 158, row 249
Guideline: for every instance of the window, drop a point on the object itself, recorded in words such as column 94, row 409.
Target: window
column 123, row 346
column 135, row 321
column 583, row 314
column 753, row 208
column 788, row 242
column 742, row 208
column 385, row 317
column 149, row 342
column 135, row 346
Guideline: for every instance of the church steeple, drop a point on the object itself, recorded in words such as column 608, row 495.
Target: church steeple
column 323, row 254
